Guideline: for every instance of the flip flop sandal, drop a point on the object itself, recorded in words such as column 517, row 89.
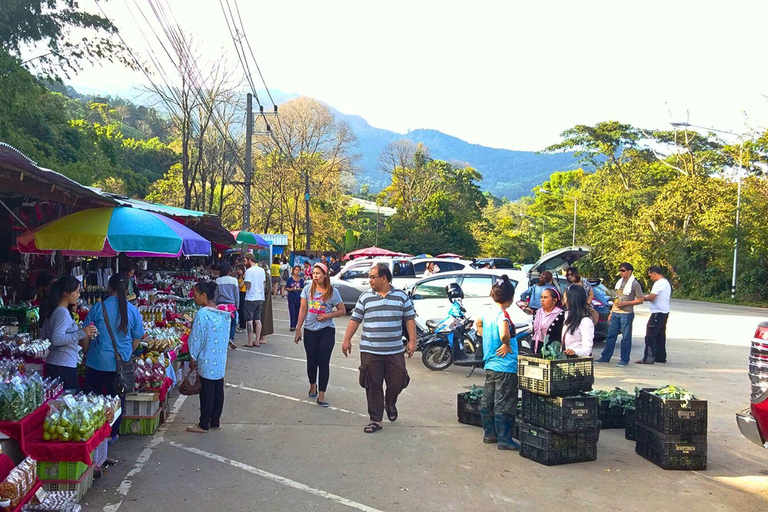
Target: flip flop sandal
column 250, row 345
column 392, row 415
column 372, row 427
column 196, row 428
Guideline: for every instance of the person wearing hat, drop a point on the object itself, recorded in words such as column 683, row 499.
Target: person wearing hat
column 320, row 304
column 255, row 281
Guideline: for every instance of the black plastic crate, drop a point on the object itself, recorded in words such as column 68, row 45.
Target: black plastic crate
column 560, row 414
column 670, row 416
column 555, row 378
column 550, row 448
column 610, row 417
column 671, row 451
column 468, row 413
column 629, row 423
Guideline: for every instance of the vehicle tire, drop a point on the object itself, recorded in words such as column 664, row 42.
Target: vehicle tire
column 431, row 354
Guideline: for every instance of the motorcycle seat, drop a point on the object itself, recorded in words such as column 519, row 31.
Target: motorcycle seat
column 433, row 322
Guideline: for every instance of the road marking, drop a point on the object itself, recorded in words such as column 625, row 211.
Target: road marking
column 144, row 456
column 277, row 478
column 291, row 359
column 291, row 398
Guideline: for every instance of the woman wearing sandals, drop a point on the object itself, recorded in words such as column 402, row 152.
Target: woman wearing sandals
column 320, row 304
column 208, row 342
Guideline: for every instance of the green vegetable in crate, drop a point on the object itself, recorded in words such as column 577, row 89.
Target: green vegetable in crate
column 674, row 393
column 617, row 397
column 474, row 395
column 552, row 349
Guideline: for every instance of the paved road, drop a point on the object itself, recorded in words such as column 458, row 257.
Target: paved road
column 279, row 451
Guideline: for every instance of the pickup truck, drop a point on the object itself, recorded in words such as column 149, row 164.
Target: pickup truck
column 753, row 422
column 352, row 281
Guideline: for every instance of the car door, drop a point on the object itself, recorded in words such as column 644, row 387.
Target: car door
column 429, row 299
column 352, row 281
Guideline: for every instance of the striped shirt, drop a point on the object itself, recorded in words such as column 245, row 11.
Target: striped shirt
column 382, row 319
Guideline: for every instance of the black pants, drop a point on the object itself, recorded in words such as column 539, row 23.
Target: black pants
column 103, row 383
column 656, row 338
column 293, row 310
column 319, row 347
column 211, row 403
column 499, row 393
column 67, row 375
column 241, row 312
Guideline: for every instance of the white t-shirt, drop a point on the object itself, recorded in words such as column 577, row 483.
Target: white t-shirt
column 256, row 276
column 663, row 292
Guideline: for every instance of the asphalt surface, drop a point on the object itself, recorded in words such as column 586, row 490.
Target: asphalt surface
column 277, row 450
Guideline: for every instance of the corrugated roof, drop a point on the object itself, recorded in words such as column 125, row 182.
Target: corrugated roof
column 276, row 239
column 158, row 208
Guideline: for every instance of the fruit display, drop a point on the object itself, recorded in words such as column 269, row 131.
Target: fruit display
column 24, row 345
column 76, row 418
column 21, row 395
column 19, row 482
column 162, row 339
column 151, row 370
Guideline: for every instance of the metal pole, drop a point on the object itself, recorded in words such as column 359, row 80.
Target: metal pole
column 575, row 202
column 542, row 244
column 306, row 199
column 736, row 232
column 248, row 164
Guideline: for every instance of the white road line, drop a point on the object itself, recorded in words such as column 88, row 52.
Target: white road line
column 291, row 398
column 292, row 359
column 277, row 478
column 144, row 456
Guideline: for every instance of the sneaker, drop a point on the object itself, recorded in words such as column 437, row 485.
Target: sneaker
column 622, row 363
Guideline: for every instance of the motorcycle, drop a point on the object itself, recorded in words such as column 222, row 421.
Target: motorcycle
column 453, row 340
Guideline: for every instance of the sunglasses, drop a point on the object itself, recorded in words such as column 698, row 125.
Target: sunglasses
column 623, row 270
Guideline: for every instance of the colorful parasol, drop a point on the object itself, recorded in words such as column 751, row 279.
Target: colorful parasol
column 248, row 238
column 108, row 231
column 372, row 252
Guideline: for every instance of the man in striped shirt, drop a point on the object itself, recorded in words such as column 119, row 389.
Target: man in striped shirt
column 382, row 310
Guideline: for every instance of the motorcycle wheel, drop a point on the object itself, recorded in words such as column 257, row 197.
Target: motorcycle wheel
column 431, row 357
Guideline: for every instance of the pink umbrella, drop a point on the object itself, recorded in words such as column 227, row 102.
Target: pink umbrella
column 448, row 255
column 371, row 252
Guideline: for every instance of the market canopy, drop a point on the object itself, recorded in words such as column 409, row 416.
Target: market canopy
column 248, row 238
column 371, row 252
column 448, row 255
column 108, row 231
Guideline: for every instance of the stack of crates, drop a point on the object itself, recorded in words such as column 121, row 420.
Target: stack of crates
column 75, row 477
column 142, row 413
column 671, row 433
column 558, row 423
column 469, row 413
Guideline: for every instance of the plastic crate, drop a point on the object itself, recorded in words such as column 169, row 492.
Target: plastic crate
column 550, row 448
column 468, row 413
column 670, row 416
column 99, row 455
column 70, row 471
column 140, row 425
column 79, row 486
column 555, row 378
column 610, row 417
column 629, row 423
column 671, row 451
column 141, row 404
column 560, row 414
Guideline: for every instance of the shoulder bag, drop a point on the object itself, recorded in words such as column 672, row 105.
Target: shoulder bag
column 125, row 380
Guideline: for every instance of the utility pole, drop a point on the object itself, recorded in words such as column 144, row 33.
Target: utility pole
column 248, row 164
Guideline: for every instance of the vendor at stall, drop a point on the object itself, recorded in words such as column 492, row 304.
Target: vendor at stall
column 61, row 330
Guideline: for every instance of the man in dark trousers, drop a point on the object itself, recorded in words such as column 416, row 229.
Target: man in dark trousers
column 335, row 267
column 382, row 310
column 656, row 329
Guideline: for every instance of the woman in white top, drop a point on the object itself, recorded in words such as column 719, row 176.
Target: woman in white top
column 578, row 328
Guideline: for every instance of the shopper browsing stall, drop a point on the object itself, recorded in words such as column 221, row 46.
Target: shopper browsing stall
column 119, row 324
column 228, row 292
column 63, row 333
column 255, row 281
column 578, row 328
column 294, row 285
column 208, row 342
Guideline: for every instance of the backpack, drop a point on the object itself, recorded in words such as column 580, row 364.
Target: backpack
column 284, row 274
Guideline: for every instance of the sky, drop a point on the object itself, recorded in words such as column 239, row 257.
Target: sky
column 503, row 74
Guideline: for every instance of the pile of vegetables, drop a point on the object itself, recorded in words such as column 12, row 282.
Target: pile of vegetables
column 552, row 350
column 674, row 393
column 473, row 396
column 617, row 397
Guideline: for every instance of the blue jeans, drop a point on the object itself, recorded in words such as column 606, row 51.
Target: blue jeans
column 620, row 322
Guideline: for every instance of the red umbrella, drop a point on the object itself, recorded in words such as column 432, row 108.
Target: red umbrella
column 448, row 255
column 371, row 252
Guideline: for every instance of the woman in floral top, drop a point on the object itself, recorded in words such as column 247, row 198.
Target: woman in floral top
column 208, row 343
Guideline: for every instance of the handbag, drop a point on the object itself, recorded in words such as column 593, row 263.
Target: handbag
column 125, row 380
column 191, row 385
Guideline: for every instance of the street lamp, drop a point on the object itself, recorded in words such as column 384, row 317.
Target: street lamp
column 738, row 196
column 575, row 205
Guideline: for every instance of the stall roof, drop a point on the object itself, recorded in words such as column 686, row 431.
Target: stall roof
column 158, row 208
column 276, row 240
column 21, row 176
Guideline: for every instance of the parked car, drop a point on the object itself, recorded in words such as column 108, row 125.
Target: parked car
column 494, row 263
column 602, row 302
column 444, row 264
column 753, row 422
column 353, row 280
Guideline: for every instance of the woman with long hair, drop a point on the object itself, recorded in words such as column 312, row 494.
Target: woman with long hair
column 533, row 294
column 61, row 330
column 241, row 284
column 574, row 277
column 320, row 304
column 293, row 286
column 578, row 328
column 208, row 341
column 548, row 320
column 118, row 323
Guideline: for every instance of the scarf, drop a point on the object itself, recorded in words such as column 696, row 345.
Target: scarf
column 541, row 323
column 627, row 286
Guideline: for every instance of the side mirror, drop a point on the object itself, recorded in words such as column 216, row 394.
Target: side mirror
column 416, row 296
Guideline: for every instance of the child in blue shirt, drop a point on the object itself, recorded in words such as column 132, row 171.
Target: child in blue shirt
column 497, row 408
